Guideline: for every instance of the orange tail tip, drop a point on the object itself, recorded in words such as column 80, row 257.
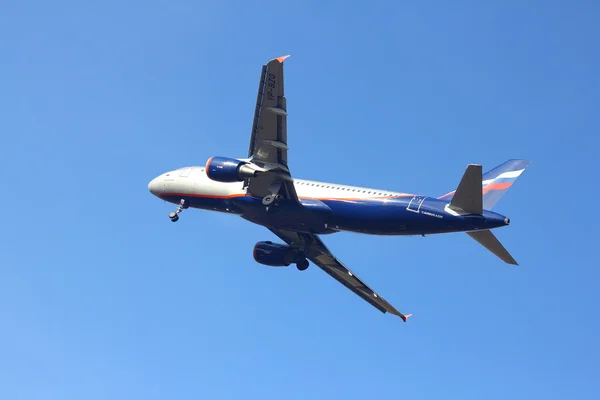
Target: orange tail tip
column 280, row 59
column 405, row 317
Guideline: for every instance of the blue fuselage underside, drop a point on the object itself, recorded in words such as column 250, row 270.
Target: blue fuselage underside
column 417, row 215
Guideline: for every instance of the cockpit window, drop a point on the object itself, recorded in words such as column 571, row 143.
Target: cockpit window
column 185, row 172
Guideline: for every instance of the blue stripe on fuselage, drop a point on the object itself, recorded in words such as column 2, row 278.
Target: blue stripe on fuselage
column 388, row 216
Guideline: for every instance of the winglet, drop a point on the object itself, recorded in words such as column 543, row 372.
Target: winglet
column 405, row 317
column 280, row 59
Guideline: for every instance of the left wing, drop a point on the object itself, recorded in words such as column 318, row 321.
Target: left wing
column 316, row 251
column 268, row 142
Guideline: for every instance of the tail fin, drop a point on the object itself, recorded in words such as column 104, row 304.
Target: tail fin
column 487, row 239
column 467, row 197
column 496, row 182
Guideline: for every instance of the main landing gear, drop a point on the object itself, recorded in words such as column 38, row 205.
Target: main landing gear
column 302, row 264
column 273, row 193
column 174, row 215
column 270, row 199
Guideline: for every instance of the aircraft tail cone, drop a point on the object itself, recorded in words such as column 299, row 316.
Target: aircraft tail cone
column 406, row 317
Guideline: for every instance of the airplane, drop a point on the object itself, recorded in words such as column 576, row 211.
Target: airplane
column 261, row 189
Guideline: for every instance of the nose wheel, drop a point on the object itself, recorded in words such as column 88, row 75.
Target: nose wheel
column 174, row 215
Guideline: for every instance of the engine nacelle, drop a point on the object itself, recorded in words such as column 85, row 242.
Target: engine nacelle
column 223, row 169
column 274, row 254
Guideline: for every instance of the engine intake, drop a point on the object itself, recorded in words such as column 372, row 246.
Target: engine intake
column 274, row 254
column 223, row 169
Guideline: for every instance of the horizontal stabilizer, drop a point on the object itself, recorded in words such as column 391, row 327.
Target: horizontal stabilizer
column 468, row 196
column 489, row 241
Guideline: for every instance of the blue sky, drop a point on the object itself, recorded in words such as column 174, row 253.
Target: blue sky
column 103, row 297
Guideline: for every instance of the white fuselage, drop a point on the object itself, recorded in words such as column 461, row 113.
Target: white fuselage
column 194, row 181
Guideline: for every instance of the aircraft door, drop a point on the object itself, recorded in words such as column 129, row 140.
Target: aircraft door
column 415, row 203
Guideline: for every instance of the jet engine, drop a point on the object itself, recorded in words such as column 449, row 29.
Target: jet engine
column 278, row 255
column 223, row 169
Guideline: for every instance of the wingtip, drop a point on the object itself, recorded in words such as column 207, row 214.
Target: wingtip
column 405, row 317
column 280, row 59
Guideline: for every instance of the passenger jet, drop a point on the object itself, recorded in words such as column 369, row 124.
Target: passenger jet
column 260, row 188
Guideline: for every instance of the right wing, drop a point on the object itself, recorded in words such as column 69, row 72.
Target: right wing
column 268, row 142
column 316, row 251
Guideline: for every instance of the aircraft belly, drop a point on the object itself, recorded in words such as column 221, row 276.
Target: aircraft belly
column 309, row 217
column 375, row 217
column 384, row 217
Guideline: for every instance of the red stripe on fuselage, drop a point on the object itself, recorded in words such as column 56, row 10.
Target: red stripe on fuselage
column 203, row 196
column 446, row 195
column 355, row 198
column 231, row 196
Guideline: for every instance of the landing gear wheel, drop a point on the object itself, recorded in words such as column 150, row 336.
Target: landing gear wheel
column 302, row 264
column 174, row 215
column 268, row 200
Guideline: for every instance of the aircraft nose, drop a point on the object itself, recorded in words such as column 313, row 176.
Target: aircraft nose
column 155, row 186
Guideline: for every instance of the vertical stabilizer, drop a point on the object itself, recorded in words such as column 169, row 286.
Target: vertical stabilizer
column 496, row 182
column 468, row 197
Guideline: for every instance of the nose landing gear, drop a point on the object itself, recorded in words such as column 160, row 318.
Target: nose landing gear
column 174, row 215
